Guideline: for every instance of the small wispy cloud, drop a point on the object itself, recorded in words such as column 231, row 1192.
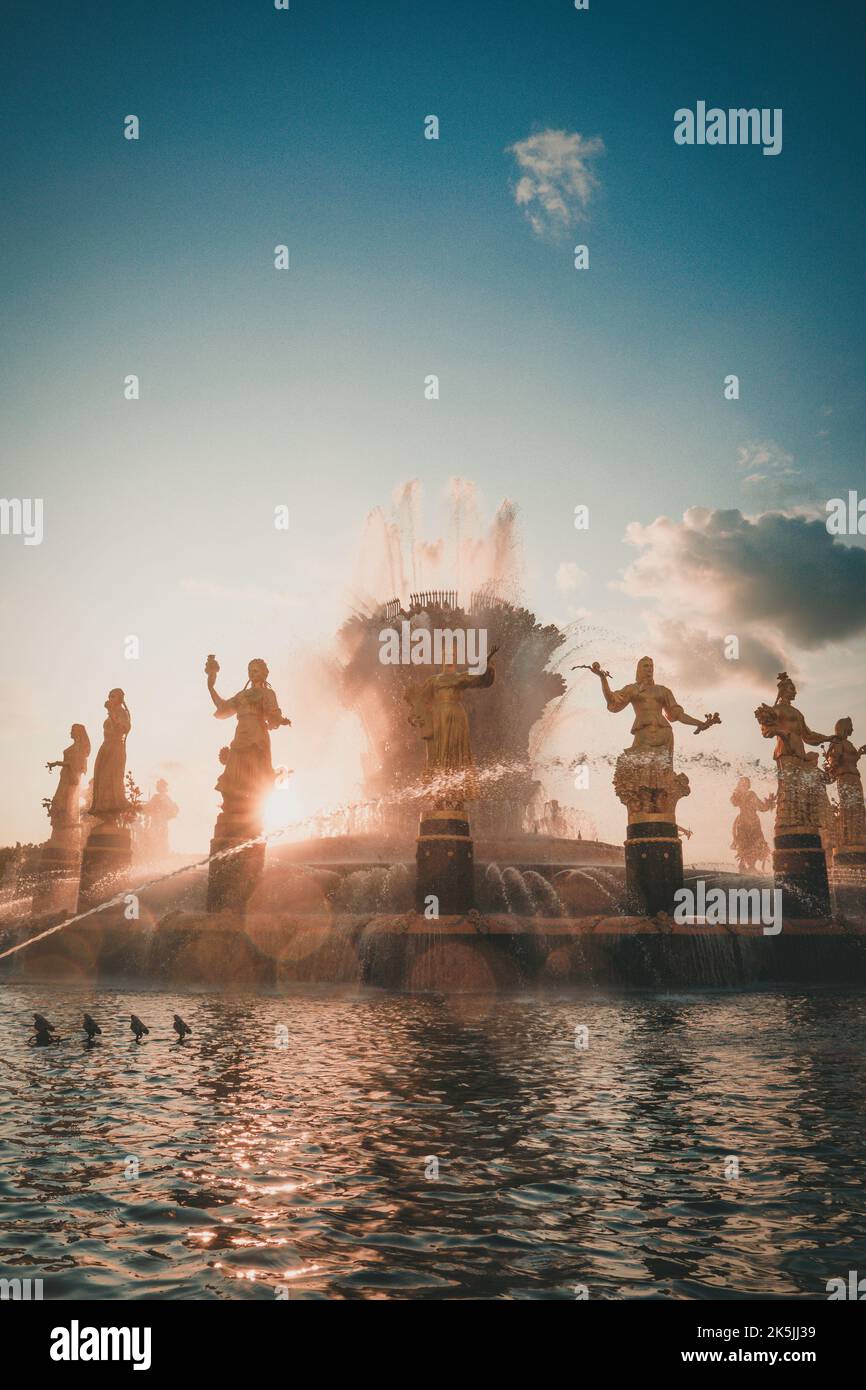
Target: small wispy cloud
column 557, row 180
column 770, row 474
column 569, row 576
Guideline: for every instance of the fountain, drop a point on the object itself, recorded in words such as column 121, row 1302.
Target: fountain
column 454, row 869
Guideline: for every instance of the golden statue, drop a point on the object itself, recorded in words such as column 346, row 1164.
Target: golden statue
column 438, row 712
column 655, row 709
column 644, row 779
column 109, row 792
column 65, row 809
column 801, row 800
column 841, row 759
column 159, row 810
column 249, row 773
column 748, row 841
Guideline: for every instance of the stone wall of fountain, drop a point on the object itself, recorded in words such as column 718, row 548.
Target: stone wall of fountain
column 325, row 944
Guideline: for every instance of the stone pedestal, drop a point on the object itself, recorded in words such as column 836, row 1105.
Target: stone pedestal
column 653, row 867
column 56, row 886
column 232, row 877
column 800, row 869
column 645, row 782
column 445, row 862
column 799, row 854
column 107, row 856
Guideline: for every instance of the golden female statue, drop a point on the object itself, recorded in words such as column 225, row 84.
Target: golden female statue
column 439, row 713
column 249, row 773
column 655, row 709
column 748, row 841
column 802, row 793
column 109, row 792
column 64, row 811
column 644, row 777
column 841, row 759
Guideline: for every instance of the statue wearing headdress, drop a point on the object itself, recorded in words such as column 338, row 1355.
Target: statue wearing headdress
column 109, row 792
column 108, row 851
column 803, row 812
column 841, row 758
column 802, row 793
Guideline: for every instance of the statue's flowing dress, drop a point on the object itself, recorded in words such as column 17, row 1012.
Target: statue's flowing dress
column 63, row 811
column 249, row 771
column 450, row 746
column 748, row 841
column 109, row 769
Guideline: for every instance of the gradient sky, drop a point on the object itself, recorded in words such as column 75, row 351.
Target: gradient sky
column 408, row 257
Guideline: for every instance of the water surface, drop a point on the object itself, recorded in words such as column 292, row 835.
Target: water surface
column 308, row 1167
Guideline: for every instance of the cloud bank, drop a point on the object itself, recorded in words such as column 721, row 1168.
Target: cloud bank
column 774, row 581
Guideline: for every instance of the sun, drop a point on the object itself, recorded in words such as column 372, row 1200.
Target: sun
column 283, row 808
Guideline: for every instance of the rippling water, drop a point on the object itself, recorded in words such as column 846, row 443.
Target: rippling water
column 304, row 1166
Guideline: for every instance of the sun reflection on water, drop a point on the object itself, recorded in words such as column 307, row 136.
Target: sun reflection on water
column 262, row 1166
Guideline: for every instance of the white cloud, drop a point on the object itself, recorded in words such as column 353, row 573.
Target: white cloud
column 770, row 472
column 557, row 181
column 569, row 576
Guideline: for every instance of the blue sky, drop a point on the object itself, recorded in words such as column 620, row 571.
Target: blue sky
column 408, row 257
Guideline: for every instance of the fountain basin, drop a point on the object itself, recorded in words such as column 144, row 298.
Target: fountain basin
column 405, row 951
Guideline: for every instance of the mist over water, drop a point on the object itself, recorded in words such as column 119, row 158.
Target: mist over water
column 305, row 1166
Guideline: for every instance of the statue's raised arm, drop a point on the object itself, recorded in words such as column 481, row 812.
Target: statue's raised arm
column 616, row 700
column 655, row 706
column 224, row 708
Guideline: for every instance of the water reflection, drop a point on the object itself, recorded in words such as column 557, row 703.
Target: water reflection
column 230, row 1166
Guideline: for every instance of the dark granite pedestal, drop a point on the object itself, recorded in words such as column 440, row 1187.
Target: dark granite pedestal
column 445, row 863
column 653, row 867
column 800, row 868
